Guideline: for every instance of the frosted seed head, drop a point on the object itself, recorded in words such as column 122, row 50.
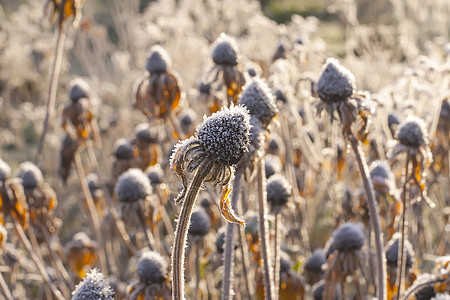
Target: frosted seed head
column 285, row 262
column 393, row 120
column 133, row 186
column 315, row 261
column 30, row 174
column 158, row 61
column 204, row 87
column 278, row 191
column 93, row 287
column 200, row 223
column 224, row 135
column 348, row 236
column 280, row 52
column 336, row 83
column 412, row 132
column 78, row 89
column 220, row 240
column 155, row 174
column 256, row 133
column 225, row 51
column 187, row 120
column 151, row 268
column 93, row 182
column 391, row 250
column 382, row 176
column 5, row 170
column 146, row 133
column 279, row 95
column 272, row 165
column 123, row 149
column 258, row 99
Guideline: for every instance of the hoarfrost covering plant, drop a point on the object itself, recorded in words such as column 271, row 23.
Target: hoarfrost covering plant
column 93, row 287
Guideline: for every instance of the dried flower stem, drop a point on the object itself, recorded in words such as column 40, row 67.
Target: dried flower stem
column 148, row 236
column 245, row 262
column 228, row 254
column 401, row 257
column 6, row 292
column 181, row 231
column 264, row 232
column 416, row 287
column 92, row 213
column 37, row 261
column 53, row 87
column 374, row 217
column 276, row 255
column 197, row 269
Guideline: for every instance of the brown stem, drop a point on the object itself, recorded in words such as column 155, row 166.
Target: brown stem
column 5, row 289
column 374, row 217
column 197, row 269
column 182, row 230
column 53, row 86
column 276, row 255
column 245, row 261
column 263, row 232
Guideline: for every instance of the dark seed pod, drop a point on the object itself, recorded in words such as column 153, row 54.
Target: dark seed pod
column 146, row 133
column 200, row 223
column 336, row 83
column 285, row 262
column 93, row 287
column 151, row 268
column 30, row 174
column 427, row 292
column 348, row 236
column 319, row 289
column 5, row 170
column 123, row 149
column 93, row 182
column 391, row 250
column 382, row 176
column 279, row 95
column 67, row 156
column 78, row 89
column 315, row 261
column 272, row 164
column 225, row 134
column 278, row 191
column 187, row 121
column 412, row 132
column 279, row 53
column 133, row 186
column 155, row 174
column 204, row 88
column 158, row 60
column 225, row 51
column 220, row 240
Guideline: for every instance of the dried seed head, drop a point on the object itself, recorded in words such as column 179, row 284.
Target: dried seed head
column 151, row 268
column 315, row 261
column 258, row 99
column 200, row 223
column 225, row 134
column 30, row 174
column 187, row 120
column 412, row 132
column 426, row 293
column 79, row 241
column 78, row 89
column 348, row 236
column 123, row 149
column 146, row 133
column 319, row 289
column 272, row 164
column 225, row 51
column 391, row 250
column 393, row 120
column 155, row 174
column 336, row 83
column 279, row 95
column 280, row 52
column 93, row 287
column 382, row 176
column 256, row 134
column 204, row 87
column 285, row 262
column 133, row 186
column 220, row 240
column 93, row 182
column 5, row 170
column 278, row 191
column 158, row 60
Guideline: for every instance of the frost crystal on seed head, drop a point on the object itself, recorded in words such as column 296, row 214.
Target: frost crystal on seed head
column 348, row 236
column 278, row 191
column 258, row 99
column 132, row 186
column 224, row 135
column 151, row 268
column 200, row 223
column 412, row 132
column 78, row 89
column 5, row 170
column 30, row 174
column 225, row 51
column 158, row 60
column 336, row 82
column 93, row 287
column 123, row 149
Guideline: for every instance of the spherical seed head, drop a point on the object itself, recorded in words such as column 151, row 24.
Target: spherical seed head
column 155, row 174
column 315, row 261
column 285, row 262
column 272, row 164
column 278, row 191
column 146, row 133
column 93, row 287
column 93, row 182
column 78, row 89
column 151, row 268
column 123, row 149
column 336, row 82
column 225, row 134
column 5, row 170
column 133, row 186
column 200, row 223
column 220, row 240
column 348, row 236
column 204, row 87
column 30, row 174
column 412, row 132
column 426, row 293
column 158, row 60
column 187, row 120
column 393, row 120
column 279, row 95
column 256, row 133
column 391, row 250
column 258, row 99
column 444, row 114
column 382, row 176
column 318, row 290
column 225, row 51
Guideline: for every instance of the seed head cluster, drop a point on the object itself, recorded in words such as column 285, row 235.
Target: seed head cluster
column 336, row 83
column 225, row 134
column 78, row 89
column 278, row 191
column 30, row 174
column 348, row 236
column 158, row 61
column 151, row 268
column 93, row 287
column 133, row 186
column 123, row 149
column 225, row 51
column 412, row 132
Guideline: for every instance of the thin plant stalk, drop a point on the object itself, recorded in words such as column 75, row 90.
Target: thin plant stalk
column 401, row 263
column 148, row 236
column 52, row 89
column 92, row 213
column 39, row 265
column 264, row 232
column 374, row 217
column 276, row 255
column 245, row 262
column 197, row 269
column 178, row 251
column 228, row 253
column 5, row 290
